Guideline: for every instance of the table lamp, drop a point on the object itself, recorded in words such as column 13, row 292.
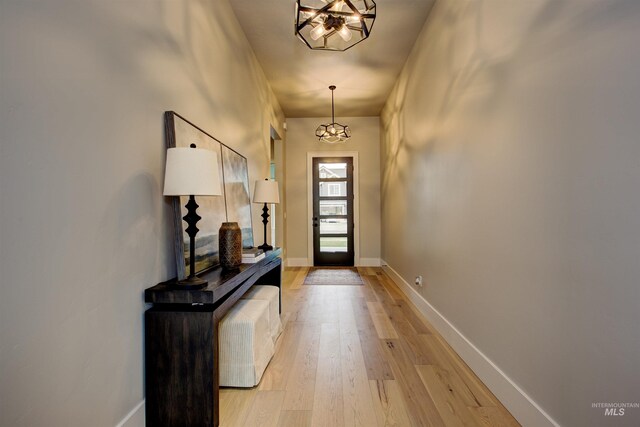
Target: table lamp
column 192, row 172
column 266, row 192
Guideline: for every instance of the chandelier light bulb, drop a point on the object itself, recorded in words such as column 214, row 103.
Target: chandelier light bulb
column 345, row 33
column 318, row 32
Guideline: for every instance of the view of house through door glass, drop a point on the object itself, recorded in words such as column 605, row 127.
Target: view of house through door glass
column 333, row 211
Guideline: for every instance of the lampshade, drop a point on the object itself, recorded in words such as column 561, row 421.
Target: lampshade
column 266, row 192
column 191, row 171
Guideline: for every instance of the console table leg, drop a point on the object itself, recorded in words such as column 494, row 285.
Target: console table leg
column 181, row 388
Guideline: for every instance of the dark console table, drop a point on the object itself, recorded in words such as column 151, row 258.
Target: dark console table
column 181, row 342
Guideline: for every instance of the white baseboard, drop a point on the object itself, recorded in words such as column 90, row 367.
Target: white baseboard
column 369, row 262
column 135, row 418
column 521, row 406
column 297, row 262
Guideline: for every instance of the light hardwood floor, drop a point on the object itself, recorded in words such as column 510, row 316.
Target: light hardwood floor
column 360, row 356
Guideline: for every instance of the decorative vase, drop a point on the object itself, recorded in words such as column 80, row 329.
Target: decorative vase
column 230, row 245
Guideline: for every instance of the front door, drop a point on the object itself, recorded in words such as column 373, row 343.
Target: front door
column 333, row 211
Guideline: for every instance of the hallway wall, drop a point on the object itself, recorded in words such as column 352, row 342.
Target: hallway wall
column 510, row 182
column 300, row 141
column 84, row 228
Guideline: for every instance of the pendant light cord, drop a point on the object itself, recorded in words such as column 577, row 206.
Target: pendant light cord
column 333, row 115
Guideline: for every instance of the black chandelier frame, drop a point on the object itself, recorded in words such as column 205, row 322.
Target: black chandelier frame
column 334, row 20
column 333, row 133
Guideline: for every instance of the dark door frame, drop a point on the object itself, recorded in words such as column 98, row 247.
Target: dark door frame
column 339, row 258
column 356, row 201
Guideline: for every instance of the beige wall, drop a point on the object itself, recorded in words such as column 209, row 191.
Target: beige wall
column 510, row 181
column 278, row 214
column 84, row 228
column 300, row 141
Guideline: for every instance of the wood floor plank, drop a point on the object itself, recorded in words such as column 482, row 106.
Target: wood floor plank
column 381, row 322
column 298, row 280
column 420, row 407
column 328, row 408
column 407, row 335
column 448, row 402
column 389, row 406
column 367, row 293
column 380, row 292
column 297, row 304
column 365, row 271
column 294, row 419
column 377, row 366
column 413, row 346
column 266, row 409
column 287, row 276
column 323, row 308
column 356, row 394
column 363, row 318
column 301, row 383
column 235, row 405
column 390, row 286
column 276, row 375
column 468, row 385
column 492, row 416
column 412, row 317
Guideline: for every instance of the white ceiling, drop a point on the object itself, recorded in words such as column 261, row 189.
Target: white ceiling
column 300, row 77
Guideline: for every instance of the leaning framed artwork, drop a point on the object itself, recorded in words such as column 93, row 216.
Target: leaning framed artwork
column 234, row 205
column 236, row 190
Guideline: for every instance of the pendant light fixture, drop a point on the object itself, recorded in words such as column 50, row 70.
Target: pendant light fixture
column 333, row 132
column 334, row 24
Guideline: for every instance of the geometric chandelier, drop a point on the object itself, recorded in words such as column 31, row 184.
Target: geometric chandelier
column 333, row 132
column 334, row 24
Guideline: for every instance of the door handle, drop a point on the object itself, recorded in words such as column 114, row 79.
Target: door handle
column 315, row 221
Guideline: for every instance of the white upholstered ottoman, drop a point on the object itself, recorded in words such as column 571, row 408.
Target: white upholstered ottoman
column 245, row 343
column 271, row 294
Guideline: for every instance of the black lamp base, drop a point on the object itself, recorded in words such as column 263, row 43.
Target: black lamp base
column 265, row 247
column 191, row 283
column 191, row 218
column 265, row 219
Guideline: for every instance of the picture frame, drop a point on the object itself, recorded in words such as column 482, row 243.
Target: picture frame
column 237, row 194
column 213, row 210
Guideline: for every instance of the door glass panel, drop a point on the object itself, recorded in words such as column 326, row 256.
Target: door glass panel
column 333, row 170
column 333, row 244
column 333, row 226
column 333, row 189
column 333, row 207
